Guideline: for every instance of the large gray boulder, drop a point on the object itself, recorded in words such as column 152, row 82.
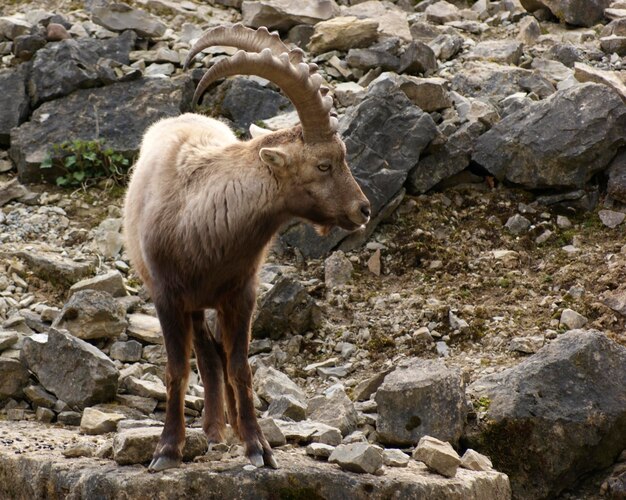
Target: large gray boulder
column 576, row 12
column 73, row 370
column 60, row 68
column 13, row 101
column 92, row 314
column 111, row 116
column 560, row 142
column 556, row 416
column 247, row 101
column 284, row 14
column 421, row 398
column 385, row 135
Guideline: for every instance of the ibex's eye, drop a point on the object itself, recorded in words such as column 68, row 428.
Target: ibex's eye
column 324, row 167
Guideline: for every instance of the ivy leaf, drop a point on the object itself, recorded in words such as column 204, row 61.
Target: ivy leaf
column 62, row 181
column 79, row 175
column 46, row 163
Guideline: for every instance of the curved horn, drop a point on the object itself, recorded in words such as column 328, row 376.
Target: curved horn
column 295, row 80
column 240, row 37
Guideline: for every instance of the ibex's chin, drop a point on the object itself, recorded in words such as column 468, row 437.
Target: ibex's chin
column 200, row 211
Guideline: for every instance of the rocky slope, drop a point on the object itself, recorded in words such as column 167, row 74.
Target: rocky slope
column 483, row 306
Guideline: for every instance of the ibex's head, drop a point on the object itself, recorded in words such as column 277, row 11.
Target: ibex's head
column 312, row 163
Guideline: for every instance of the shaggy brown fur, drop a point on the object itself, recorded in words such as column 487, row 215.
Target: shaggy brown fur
column 200, row 211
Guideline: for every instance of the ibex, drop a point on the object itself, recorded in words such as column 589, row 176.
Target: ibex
column 200, row 212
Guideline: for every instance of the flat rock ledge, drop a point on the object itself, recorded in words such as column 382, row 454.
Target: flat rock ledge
column 32, row 466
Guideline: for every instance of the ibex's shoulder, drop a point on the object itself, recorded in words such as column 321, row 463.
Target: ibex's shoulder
column 191, row 128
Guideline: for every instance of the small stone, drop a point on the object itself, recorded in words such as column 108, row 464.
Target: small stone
column 319, row 450
column 347, row 93
column 393, row 457
column 343, row 33
column 146, row 388
column 8, row 339
column 144, row 328
column 611, row 218
column 543, row 237
column 529, row 30
column 572, row 320
column 563, row 222
column 72, row 418
column 438, row 456
column 334, row 409
column 136, row 446
column 442, row 12
column 337, row 270
column 56, row 32
column 374, row 264
column 128, row 352
column 358, row 457
column 39, row 396
column 111, row 282
column 270, row 384
column 45, row 415
column 473, row 460
column 13, row 377
column 517, row 224
column 79, row 450
column 98, row 422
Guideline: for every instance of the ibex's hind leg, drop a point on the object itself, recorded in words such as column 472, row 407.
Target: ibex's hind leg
column 231, row 401
column 176, row 326
column 212, row 373
column 234, row 316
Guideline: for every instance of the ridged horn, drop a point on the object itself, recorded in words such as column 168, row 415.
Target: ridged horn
column 240, row 37
column 298, row 81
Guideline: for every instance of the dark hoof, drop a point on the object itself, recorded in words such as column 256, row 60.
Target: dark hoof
column 163, row 463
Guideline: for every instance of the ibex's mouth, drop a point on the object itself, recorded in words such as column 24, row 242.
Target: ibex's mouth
column 350, row 225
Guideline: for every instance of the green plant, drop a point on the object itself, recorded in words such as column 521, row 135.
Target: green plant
column 82, row 162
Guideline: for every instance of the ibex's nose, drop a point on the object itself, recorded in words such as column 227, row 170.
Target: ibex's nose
column 366, row 210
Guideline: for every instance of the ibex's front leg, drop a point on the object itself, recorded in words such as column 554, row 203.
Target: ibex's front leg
column 176, row 326
column 234, row 316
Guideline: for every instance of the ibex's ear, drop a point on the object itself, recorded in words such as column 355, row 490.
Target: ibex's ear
column 256, row 131
column 273, row 157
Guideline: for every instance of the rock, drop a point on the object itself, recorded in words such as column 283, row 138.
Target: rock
column 337, row 270
column 145, row 328
column 374, row 264
column 442, row 12
column 334, row 409
column 498, row 51
column 287, row 407
column 373, row 57
column 473, row 460
column 438, row 456
column 529, row 30
column 286, row 308
column 419, row 398
column 93, row 375
column 497, row 81
column 127, row 352
column 395, row 458
column 616, row 184
column 392, row 21
column 54, row 268
column 122, row 17
column 272, row 432
column 429, row 94
column 25, row 46
column 572, row 12
column 572, row 320
column 117, row 123
column 72, row 418
column 611, row 218
column 11, row 190
column 13, row 26
column 56, row 32
column 369, row 386
column 108, row 241
column 13, row 378
column 319, row 450
column 111, row 283
column 8, row 339
column 13, row 101
column 417, row 58
column 98, row 422
column 348, row 93
column 343, row 33
column 25, row 475
column 155, row 354
column 585, row 73
column 511, row 151
column 560, row 411
column 307, row 432
column 79, row 450
column 446, row 45
column 444, row 161
column 614, row 45
column 358, row 457
column 284, row 14
column 246, row 102
column 45, row 415
column 517, row 224
column 136, row 446
column 144, row 405
column 146, row 388
column 60, row 68
column 384, row 135
column 39, row 397
column 270, row 384
column 90, row 314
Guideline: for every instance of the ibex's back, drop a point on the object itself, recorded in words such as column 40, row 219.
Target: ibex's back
column 200, row 211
